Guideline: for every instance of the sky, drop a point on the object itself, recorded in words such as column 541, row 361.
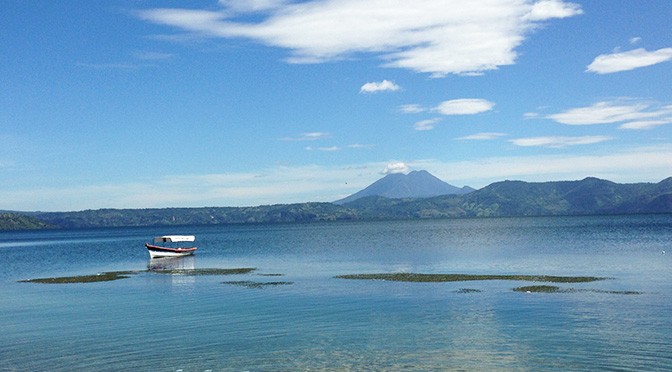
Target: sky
column 152, row 104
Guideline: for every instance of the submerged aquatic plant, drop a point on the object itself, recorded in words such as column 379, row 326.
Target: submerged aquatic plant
column 252, row 284
column 439, row 278
column 554, row 289
column 115, row 275
column 468, row 290
column 539, row 289
column 430, row 278
column 100, row 277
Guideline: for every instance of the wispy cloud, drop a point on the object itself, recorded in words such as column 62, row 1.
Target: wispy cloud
column 382, row 86
column 338, row 148
column 360, row 146
column 109, row 66
column 412, row 108
column 326, row 149
column 152, row 56
column 293, row 184
column 428, row 124
column 645, row 124
column 559, row 141
column 648, row 164
column 630, row 60
column 308, row 136
column 632, row 115
column 419, row 36
column 253, row 5
column 485, row 136
column 464, row 106
column 140, row 59
column 635, row 40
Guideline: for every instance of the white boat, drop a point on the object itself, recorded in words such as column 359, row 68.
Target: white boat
column 164, row 250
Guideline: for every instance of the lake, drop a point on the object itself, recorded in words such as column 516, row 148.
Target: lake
column 293, row 314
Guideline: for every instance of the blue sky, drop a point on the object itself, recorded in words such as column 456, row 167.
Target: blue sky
column 136, row 104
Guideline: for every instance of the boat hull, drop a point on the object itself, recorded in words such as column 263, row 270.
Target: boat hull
column 156, row 251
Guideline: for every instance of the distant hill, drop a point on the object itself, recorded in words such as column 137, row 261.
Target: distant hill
column 280, row 213
column 17, row 221
column 417, row 184
column 590, row 196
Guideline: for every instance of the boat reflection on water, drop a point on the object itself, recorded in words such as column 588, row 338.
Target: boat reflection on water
column 178, row 269
column 170, row 264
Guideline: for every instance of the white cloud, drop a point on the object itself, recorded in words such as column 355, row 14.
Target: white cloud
column 485, row 136
column 326, row 149
column 428, row 124
column 308, row 136
column 464, row 106
column 630, row 60
column 412, row 108
column 360, row 146
column 398, row 167
column 337, row 148
column 383, row 86
column 558, row 142
column 612, row 112
column 635, row 40
column 193, row 20
column 547, row 9
column 645, row 124
column 463, row 37
column 245, row 6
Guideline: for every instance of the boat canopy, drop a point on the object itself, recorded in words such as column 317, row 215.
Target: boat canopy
column 174, row 238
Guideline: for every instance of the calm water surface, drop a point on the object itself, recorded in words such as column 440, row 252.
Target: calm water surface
column 312, row 321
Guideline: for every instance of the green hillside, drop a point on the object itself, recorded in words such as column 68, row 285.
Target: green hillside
column 16, row 221
column 590, row 196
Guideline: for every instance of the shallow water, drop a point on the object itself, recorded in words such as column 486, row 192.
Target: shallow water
column 313, row 321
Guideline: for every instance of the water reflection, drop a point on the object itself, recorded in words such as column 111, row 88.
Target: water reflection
column 175, row 268
column 172, row 263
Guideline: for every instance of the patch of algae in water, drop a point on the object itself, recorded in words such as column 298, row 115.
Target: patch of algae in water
column 115, row 275
column 468, row 290
column 437, row 278
column 554, row 289
column 101, row 277
column 538, row 289
column 252, row 284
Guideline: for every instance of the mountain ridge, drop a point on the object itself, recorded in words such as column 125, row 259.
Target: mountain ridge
column 590, row 196
column 416, row 184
